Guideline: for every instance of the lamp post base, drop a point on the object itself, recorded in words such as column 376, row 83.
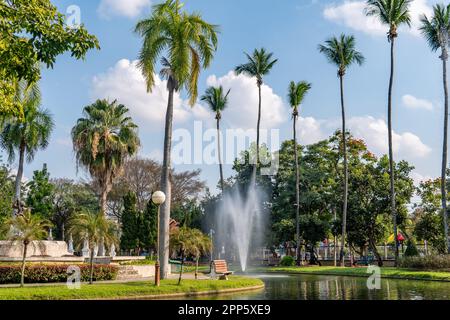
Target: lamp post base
column 157, row 274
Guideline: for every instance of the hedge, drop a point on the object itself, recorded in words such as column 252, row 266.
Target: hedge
column 48, row 273
column 439, row 262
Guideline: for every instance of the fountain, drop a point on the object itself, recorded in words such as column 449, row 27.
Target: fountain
column 240, row 219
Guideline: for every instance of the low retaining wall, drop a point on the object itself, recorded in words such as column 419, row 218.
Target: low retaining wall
column 52, row 249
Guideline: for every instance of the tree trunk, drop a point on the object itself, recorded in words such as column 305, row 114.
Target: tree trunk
column 24, row 257
column 103, row 200
column 297, row 196
column 181, row 268
column 18, row 183
column 444, row 151
column 376, row 253
column 220, row 154
column 258, row 125
column 344, row 141
column 91, row 261
column 391, row 153
column 196, row 268
column 166, row 188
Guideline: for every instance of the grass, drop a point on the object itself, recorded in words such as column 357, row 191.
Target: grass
column 125, row 290
column 386, row 272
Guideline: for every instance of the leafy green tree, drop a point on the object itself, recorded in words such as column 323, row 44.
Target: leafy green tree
column 102, row 140
column 130, row 221
column 257, row 66
column 437, row 32
column 392, row 13
column 24, row 136
column 93, row 227
column 148, row 228
column 296, row 94
column 34, row 33
column 190, row 43
column 313, row 230
column 217, row 102
column 6, row 192
column 342, row 53
column 26, row 228
column 39, row 195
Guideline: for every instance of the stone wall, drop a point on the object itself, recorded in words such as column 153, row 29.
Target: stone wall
column 52, row 249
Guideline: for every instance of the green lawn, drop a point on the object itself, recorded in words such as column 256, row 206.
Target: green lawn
column 125, row 290
column 362, row 272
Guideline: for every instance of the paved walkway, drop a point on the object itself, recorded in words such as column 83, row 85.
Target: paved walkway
column 186, row 276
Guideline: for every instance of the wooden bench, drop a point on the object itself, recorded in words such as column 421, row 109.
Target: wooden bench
column 220, row 269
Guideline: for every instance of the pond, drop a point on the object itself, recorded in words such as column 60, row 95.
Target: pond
column 317, row 287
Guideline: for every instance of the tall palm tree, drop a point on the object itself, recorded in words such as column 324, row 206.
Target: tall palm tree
column 217, row 102
column 26, row 228
column 341, row 52
column 258, row 65
column 296, row 95
column 393, row 13
column 25, row 136
column 93, row 227
column 437, row 33
column 189, row 43
column 102, row 140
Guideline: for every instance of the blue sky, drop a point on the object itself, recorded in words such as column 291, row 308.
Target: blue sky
column 292, row 29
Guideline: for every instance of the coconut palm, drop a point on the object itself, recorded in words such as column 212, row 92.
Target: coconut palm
column 26, row 228
column 392, row 13
column 341, row 52
column 217, row 102
column 296, row 95
column 189, row 43
column 258, row 65
column 93, row 228
column 23, row 137
column 437, row 32
column 102, row 140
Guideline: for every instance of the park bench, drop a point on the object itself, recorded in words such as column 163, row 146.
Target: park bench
column 220, row 269
column 365, row 260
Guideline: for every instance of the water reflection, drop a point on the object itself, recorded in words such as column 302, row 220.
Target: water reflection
column 308, row 287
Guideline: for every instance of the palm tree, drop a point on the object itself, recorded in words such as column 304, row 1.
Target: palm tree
column 437, row 33
column 190, row 43
column 342, row 53
column 26, row 228
column 102, row 140
column 393, row 13
column 217, row 102
column 297, row 92
column 93, row 227
column 258, row 65
column 25, row 136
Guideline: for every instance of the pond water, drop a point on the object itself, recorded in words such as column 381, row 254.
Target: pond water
column 317, row 287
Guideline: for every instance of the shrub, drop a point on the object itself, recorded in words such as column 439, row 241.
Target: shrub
column 287, row 261
column 47, row 273
column 411, row 250
column 441, row 262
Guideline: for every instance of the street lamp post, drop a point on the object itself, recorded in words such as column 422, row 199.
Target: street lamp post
column 158, row 198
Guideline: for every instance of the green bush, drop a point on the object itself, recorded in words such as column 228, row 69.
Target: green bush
column 411, row 249
column 439, row 262
column 50, row 273
column 287, row 261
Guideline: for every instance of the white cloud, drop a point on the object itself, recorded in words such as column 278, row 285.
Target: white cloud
column 373, row 131
column 126, row 8
column 125, row 82
column 418, row 178
column 242, row 111
column 351, row 14
column 412, row 102
column 66, row 142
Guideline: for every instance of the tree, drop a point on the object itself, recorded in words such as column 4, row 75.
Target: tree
column 342, row 53
column 130, row 224
column 297, row 92
column 189, row 242
column 393, row 13
column 102, row 140
column 25, row 136
column 258, row 65
column 93, row 227
column 437, row 33
column 39, row 195
column 190, row 43
column 217, row 102
column 313, row 230
column 6, row 191
column 26, row 228
column 33, row 33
